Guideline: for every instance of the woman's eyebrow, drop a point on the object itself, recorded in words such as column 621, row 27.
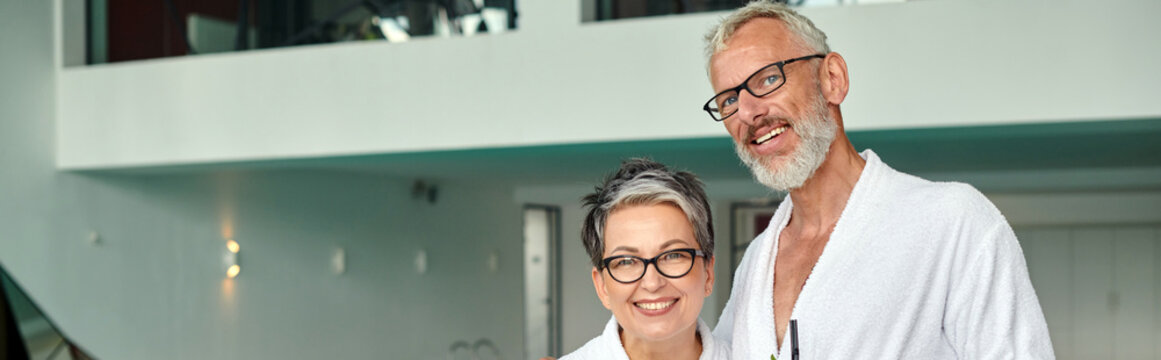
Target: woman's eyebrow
column 625, row 248
column 674, row 241
column 663, row 246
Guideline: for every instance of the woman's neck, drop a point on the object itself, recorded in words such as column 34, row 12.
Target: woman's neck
column 683, row 346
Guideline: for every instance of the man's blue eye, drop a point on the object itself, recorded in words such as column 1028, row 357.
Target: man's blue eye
column 730, row 101
column 770, row 80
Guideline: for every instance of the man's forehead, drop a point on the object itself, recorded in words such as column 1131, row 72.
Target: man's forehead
column 756, row 43
column 762, row 35
column 766, row 26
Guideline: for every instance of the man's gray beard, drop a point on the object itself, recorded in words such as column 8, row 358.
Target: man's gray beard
column 817, row 131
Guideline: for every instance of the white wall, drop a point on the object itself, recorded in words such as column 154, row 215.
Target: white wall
column 1099, row 288
column 554, row 80
column 1095, row 260
column 1084, row 208
column 154, row 287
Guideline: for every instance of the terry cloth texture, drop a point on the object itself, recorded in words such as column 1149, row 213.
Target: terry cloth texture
column 913, row 269
column 608, row 346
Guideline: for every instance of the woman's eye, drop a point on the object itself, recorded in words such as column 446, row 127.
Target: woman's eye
column 625, row 262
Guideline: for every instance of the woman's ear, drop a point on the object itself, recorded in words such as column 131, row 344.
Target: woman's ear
column 599, row 285
column 709, row 278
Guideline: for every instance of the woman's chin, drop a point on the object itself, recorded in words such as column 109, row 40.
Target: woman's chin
column 655, row 329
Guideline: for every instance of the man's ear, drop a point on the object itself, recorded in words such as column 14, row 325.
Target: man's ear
column 709, row 279
column 599, row 285
column 833, row 78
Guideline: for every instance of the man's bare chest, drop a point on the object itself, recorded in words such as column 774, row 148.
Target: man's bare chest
column 792, row 268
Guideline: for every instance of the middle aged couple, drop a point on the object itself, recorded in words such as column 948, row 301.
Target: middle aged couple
column 870, row 263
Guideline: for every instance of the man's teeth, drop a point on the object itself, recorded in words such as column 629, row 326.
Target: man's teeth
column 656, row 305
column 770, row 135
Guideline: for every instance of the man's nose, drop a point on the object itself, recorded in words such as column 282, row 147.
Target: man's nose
column 750, row 109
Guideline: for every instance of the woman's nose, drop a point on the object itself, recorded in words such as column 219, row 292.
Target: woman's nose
column 653, row 280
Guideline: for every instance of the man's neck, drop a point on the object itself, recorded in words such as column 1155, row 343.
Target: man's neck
column 822, row 198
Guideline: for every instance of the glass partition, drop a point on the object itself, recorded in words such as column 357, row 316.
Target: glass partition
column 601, row 10
column 625, row 9
column 120, row 30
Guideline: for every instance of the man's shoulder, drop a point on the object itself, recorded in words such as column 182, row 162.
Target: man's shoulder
column 952, row 211
column 911, row 190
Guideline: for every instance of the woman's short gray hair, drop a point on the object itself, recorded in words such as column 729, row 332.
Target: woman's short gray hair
column 645, row 182
column 808, row 35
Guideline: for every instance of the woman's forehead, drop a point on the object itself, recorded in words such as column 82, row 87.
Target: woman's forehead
column 647, row 228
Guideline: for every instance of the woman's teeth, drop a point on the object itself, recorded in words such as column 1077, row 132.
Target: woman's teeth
column 770, row 135
column 655, row 305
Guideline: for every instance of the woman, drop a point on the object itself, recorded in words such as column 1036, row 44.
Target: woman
column 649, row 235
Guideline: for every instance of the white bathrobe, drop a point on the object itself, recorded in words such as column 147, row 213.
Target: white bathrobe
column 913, row 270
column 608, row 346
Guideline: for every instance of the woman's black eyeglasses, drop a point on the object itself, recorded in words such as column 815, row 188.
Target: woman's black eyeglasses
column 671, row 264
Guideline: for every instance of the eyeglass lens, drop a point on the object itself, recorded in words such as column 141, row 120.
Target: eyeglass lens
column 672, row 264
column 761, row 83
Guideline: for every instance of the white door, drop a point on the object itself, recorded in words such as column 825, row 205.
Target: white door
column 541, row 281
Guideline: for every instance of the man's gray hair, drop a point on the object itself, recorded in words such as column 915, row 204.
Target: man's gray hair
column 645, row 182
column 809, row 36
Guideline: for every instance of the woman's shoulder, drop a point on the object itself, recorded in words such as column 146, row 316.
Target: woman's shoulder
column 595, row 349
column 712, row 348
column 599, row 348
column 607, row 345
column 721, row 351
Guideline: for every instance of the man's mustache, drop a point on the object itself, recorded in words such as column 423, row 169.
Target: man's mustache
column 750, row 132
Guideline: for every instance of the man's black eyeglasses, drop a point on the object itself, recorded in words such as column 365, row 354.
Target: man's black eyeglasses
column 761, row 83
column 671, row 264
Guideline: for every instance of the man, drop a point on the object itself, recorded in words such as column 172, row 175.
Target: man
column 869, row 262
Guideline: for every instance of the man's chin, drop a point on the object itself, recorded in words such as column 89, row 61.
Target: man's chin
column 778, row 173
column 786, row 172
column 774, row 182
column 766, row 171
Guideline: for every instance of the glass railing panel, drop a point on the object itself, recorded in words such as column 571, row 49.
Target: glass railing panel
column 603, row 10
column 118, row 31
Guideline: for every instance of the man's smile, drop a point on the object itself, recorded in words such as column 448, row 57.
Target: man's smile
column 770, row 135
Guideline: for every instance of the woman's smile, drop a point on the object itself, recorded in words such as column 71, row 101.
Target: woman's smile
column 655, row 308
